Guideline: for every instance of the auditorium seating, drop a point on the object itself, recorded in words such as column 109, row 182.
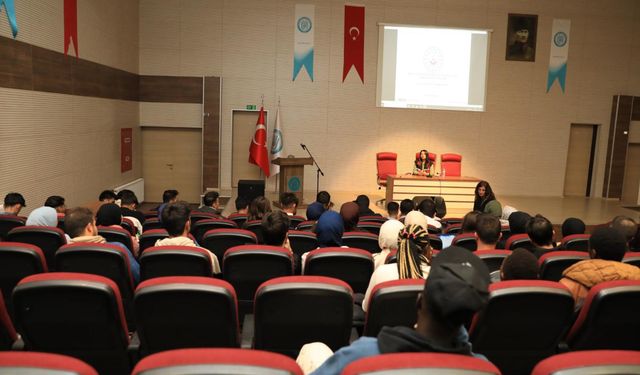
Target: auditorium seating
column 370, row 226
column 237, row 218
column 196, row 216
column 89, row 325
column 246, row 267
column 127, row 224
column 432, row 229
column 115, row 234
column 43, row 364
column 152, row 214
column 353, row 266
column 392, row 303
column 294, row 220
column 201, row 227
column 217, row 361
column 435, row 241
column 306, row 225
column 466, row 240
column 7, row 332
column 110, row 261
column 254, row 226
column 61, row 222
column 17, row 261
column 492, row 258
column 312, row 308
column 518, row 240
column 608, row 318
column 523, row 323
column 601, row 362
column 150, row 237
column 302, row 241
column 151, row 223
column 373, row 218
column 159, row 261
column 553, row 263
column 386, row 163
column 451, row 165
column 186, row 312
column 421, row 363
column 576, row 242
column 361, row 240
column 219, row 240
column 453, row 229
column 8, row 222
column 632, row 258
column 48, row 239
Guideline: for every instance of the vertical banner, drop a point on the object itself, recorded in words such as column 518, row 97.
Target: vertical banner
column 303, row 39
column 559, row 53
column 276, row 144
column 126, row 149
column 11, row 15
column 70, row 25
column 353, row 40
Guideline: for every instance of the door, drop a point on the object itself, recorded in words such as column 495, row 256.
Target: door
column 577, row 180
column 172, row 159
column 211, row 133
column 244, row 127
column 631, row 182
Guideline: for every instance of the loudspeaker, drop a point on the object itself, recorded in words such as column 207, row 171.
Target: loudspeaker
column 250, row 189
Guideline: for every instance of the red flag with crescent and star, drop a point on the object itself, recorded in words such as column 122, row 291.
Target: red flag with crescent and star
column 258, row 154
column 70, row 25
column 353, row 40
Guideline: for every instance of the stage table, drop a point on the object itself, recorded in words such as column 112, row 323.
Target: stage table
column 458, row 192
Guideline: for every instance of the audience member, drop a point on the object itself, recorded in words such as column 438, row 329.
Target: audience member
column 168, row 196
column 329, row 229
column 406, row 206
column 110, row 215
column 107, row 196
column 363, row 205
column 43, row 217
column 322, row 204
column 80, row 224
column 129, row 204
column 517, row 225
column 177, row 222
column 519, row 265
column 485, row 200
column 210, row 203
column 416, row 218
column 289, row 203
column 259, row 207
column 428, row 209
column 488, row 231
column 57, row 203
column 625, row 225
column 457, row 287
column 275, row 226
column 242, row 205
column 393, row 210
column 13, row 203
column 541, row 233
column 387, row 240
column 469, row 222
column 350, row 213
column 413, row 260
column 572, row 226
column 607, row 247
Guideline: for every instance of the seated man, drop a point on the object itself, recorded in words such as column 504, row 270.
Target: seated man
column 457, row 287
column 56, row 202
column 129, row 205
column 517, row 225
column 393, row 210
column 289, row 203
column 625, row 225
column 572, row 226
column 363, row 205
column 211, row 203
column 80, row 224
column 242, row 205
column 541, row 233
column 519, row 265
column 428, row 208
column 406, row 206
column 487, row 231
column 107, row 196
column 275, row 225
column 169, row 196
column 607, row 247
column 317, row 208
column 175, row 219
column 13, row 203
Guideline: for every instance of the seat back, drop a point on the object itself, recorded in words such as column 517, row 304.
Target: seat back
column 219, row 240
column 553, row 263
column 451, row 164
column 8, row 222
column 361, row 240
column 602, row 362
column 493, row 258
column 43, row 364
column 255, row 226
column 129, row 226
column 7, row 331
column 150, row 237
column 632, row 258
column 576, row 242
column 294, row 220
column 466, row 240
column 246, row 267
column 386, row 164
column 373, row 218
column 306, row 225
column 115, row 234
column 608, row 318
column 421, row 363
column 186, row 312
column 302, row 241
column 370, row 226
column 160, row 261
column 435, row 241
column 392, row 303
column 353, row 266
column 239, row 219
column 17, row 261
column 518, row 240
column 454, row 228
column 312, row 308
column 151, row 223
column 522, row 323
column 89, row 325
column 48, row 239
column 202, row 226
column 199, row 215
column 217, row 361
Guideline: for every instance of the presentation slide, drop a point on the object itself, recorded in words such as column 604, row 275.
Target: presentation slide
column 432, row 68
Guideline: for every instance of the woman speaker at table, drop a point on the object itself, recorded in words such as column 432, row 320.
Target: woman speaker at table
column 422, row 164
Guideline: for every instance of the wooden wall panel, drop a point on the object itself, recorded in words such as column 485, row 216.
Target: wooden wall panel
column 15, row 65
column 211, row 134
column 170, row 89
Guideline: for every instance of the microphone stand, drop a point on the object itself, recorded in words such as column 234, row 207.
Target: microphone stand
column 318, row 171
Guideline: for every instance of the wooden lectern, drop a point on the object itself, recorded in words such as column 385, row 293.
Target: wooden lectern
column 292, row 175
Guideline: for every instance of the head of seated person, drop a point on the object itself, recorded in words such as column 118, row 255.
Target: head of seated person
column 324, row 198
column 414, row 253
column 242, row 205
column 329, row 229
column 79, row 222
column 607, row 244
column 363, row 205
column 416, row 218
column 109, row 214
column 406, row 206
column 13, row 204
column 625, row 225
column 572, row 226
column 488, row 231
column 43, row 216
column 541, row 232
column 275, row 226
column 393, row 210
column 289, row 203
column 258, row 208
column 388, row 236
column 350, row 213
column 107, row 196
column 469, row 222
column 427, row 207
column 518, row 222
column 176, row 219
column 56, row 202
column 521, row 264
column 211, row 199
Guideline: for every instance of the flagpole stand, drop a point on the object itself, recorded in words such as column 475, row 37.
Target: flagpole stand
column 318, row 171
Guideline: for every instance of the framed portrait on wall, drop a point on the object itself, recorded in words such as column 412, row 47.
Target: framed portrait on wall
column 522, row 31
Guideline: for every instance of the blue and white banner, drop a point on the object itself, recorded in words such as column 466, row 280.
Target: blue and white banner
column 559, row 53
column 303, row 39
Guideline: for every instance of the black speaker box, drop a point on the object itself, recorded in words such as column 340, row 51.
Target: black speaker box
column 250, row 189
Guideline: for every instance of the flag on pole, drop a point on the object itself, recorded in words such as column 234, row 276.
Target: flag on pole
column 353, row 41
column 258, row 150
column 276, row 144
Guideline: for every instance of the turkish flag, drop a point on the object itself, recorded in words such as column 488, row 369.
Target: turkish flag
column 258, row 154
column 353, row 40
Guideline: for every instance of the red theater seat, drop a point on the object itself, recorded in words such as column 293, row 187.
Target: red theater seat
column 149, row 238
column 302, row 241
column 219, row 240
column 42, row 364
column 48, row 239
column 17, row 261
column 115, row 234
column 386, row 163
column 237, row 218
column 518, row 240
column 7, row 332
column 451, row 165
column 466, row 240
column 576, row 242
column 392, row 303
column 159, row 261
column 151, row 223
column 201, row 227
column 306, row 225
column 421, row 363
column 553, row 263
column 361, row 240
column 353, row 266
column 601, row 362
column 294, row 220
column 8, row 222
column 492, row 258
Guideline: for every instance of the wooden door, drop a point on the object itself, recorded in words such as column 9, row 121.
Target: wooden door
column 579, row 160
column 631, row 184
column 172, row 159
column 244, row 127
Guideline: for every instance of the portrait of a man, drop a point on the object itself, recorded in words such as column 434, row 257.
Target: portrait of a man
column 521, row 37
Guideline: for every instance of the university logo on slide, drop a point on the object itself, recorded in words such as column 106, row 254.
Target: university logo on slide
column 560, row 39
column 304, row 24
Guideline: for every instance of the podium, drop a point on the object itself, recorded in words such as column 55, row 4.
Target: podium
column 292, row 175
